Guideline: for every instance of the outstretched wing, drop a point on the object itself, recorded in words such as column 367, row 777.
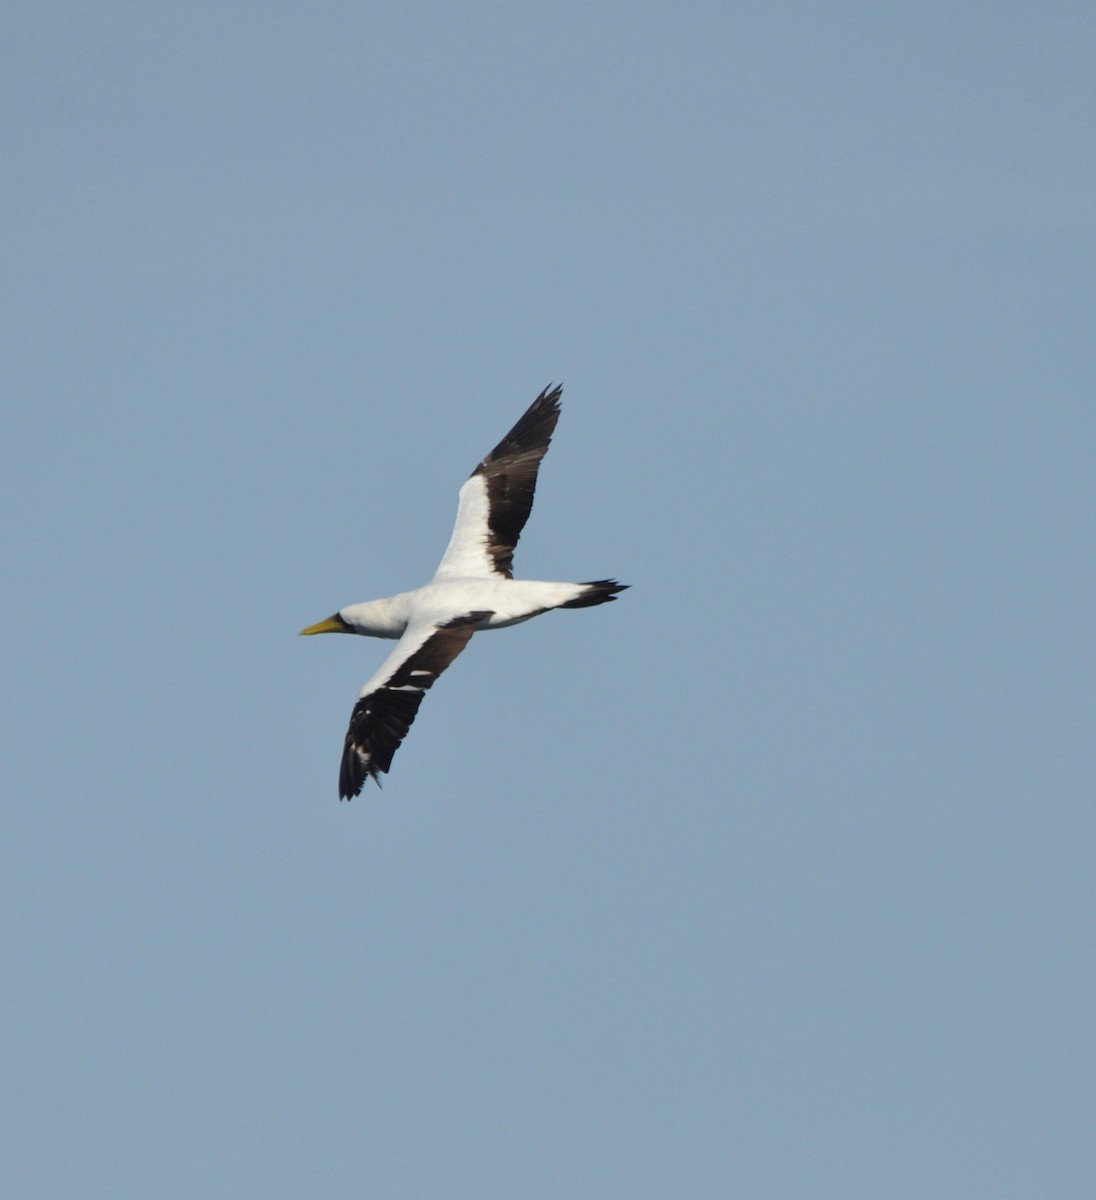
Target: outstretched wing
column 496, row 500
column 389, row 701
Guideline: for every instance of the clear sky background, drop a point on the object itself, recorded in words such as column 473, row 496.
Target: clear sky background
column 772, row 880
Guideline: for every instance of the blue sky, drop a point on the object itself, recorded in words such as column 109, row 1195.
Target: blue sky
column 773, row 879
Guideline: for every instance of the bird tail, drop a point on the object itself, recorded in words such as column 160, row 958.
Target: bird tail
column 600, row 591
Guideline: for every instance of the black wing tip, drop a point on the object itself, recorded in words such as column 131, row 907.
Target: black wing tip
column 354, row 774
column 550, row 396
column 546, row 405
column 530, row 436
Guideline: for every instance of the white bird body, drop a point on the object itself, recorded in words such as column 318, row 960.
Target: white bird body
column 471, row 591
column 511, row 601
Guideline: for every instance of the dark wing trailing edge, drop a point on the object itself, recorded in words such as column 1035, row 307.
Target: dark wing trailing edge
column 510, row 473
column 384, row 713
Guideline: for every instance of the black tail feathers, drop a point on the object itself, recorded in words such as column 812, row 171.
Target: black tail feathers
column 600, row 591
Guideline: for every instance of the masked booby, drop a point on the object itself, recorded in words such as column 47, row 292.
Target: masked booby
column 472, row 590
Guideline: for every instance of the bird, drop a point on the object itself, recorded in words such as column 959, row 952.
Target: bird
column 472, row 590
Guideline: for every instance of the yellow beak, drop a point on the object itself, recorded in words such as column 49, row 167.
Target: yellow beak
column 333, row 624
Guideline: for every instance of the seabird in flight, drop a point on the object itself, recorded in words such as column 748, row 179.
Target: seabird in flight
column 472, row 590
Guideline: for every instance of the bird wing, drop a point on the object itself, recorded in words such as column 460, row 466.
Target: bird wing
column 387, row 704
column 497, row 498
